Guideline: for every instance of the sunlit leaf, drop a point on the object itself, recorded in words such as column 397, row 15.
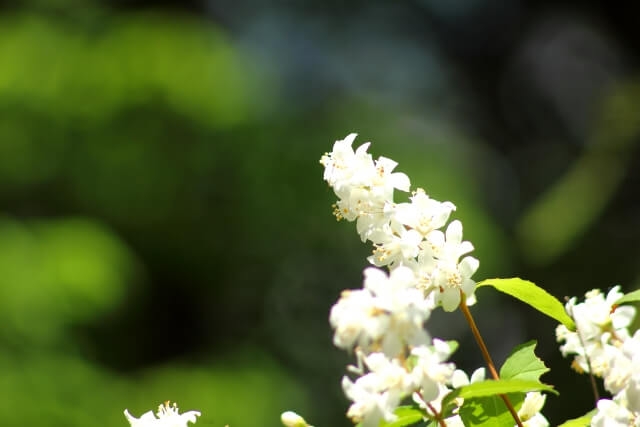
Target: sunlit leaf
column 449, row 404
column 490, row 411
column 523, row 364
column 407, row 415
column 493, row 387
column 630, row 297
column 583, row 421
column 529, row 293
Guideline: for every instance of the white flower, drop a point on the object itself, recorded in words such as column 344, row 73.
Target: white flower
column 454, row 421
column 529, row 412
column 572, row 344
column 168, row 416
column 603, row 339
column 373, row 217
column 344, row 167
column 596, row 315
column 623, row 376
column 601, row 355
column 460, row 377
column 356, row 320
column 399, row 246
column 387, row 314
column 377, row 394
column 369, row 405
column 449, row 276
column 449, row 245
column 423, row 270
column 434, row 404
column 423, row 214
column 430, row 371
column 614, row 365
column 385, row 181
column 601, row 331
column 390, row 373
column 450, row 279
column 611, row 414
column 632, row 393
column 383, row 322
column 364, row 187
column 291, row 419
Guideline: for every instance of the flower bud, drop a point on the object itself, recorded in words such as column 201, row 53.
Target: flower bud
column 291, row 419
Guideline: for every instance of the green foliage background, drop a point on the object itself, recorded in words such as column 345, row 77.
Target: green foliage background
column 165, row 232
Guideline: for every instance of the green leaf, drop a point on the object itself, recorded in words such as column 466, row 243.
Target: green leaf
column 630, row 297
column 493, row 387
column 449, row 404
column 529, row 293
column 407, row 415
column 520, row 373
column 583, row 421
column 523, row 364
column 411, row 363
column 490, row 411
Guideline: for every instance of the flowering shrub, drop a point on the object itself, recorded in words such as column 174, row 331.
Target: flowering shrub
column 402, row 375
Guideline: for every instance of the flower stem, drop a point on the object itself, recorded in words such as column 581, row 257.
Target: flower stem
column 486, row 355
column 437, row 415
column 594, row 386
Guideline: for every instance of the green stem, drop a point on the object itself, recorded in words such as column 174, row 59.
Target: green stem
column 594, row 386
column 486, row 355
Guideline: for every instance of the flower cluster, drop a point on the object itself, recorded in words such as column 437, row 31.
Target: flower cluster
column 603, row 346
column 384, row 382
column 384, row 321
column 168, row 416
column 427, row 266
column 386, row 314
column 403, row 234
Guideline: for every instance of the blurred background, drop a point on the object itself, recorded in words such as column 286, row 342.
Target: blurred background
column 165, row 232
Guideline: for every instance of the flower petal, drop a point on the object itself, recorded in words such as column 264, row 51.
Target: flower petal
column 468, row 266
column 454, row 232
column 400, row 181
column 450, row 299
